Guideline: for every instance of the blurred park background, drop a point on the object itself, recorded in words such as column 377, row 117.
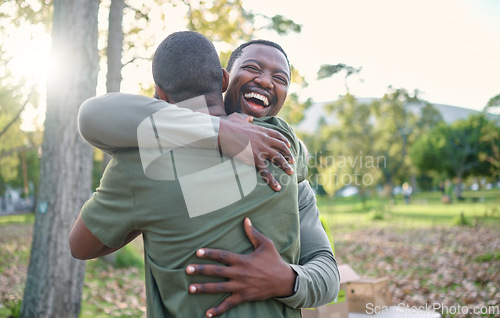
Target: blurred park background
column 398, row 105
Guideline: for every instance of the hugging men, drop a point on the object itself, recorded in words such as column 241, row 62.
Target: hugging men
column 302, row 271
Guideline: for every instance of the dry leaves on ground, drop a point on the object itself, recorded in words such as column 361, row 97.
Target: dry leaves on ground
column 428, row 265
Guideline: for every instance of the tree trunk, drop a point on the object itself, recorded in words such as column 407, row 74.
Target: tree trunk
column 115, row 65
column 458, row 189
column 55, row 278
column 114, row 54
column 115, row 44
column 388, row 191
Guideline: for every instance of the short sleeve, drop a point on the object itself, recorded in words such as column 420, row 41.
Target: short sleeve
column 109, row 213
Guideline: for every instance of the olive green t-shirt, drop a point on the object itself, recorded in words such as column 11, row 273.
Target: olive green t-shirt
column 175, row 224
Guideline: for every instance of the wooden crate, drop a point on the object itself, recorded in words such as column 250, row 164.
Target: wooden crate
column 338, row 308
column 368, row 290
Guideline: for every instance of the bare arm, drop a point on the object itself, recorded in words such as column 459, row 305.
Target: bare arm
column 84, row 245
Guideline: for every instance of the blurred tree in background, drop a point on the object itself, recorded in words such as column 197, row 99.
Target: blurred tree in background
column 18, row 146
column 461, row 149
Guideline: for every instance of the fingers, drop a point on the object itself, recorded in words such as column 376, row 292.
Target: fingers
column 279, row 160
column 224, row 306
column 277, row 135
column 221, row 256
column 239, row 117
column 210, row 288
column 281, row 146
column 267, row 176
column 258, row 239
column 210, row 270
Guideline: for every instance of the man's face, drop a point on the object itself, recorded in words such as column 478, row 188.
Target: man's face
column 258, row 83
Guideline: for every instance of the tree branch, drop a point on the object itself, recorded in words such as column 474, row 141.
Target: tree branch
column 4, row 130
column 134, row 59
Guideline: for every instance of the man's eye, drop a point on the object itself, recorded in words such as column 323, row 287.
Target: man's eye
column 251, row 68
column 281, row 79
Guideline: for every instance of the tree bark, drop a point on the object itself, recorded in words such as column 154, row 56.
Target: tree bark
column 55, row 278
column 115, row 44
column 114, row 54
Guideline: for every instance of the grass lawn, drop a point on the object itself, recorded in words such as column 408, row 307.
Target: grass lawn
column 421, row 247
column 425, row 209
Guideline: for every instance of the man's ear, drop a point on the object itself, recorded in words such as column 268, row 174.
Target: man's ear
column 225, row 80
column 161, row 94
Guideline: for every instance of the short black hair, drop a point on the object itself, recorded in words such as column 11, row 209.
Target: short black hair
column 186, row 65
column 237, row 53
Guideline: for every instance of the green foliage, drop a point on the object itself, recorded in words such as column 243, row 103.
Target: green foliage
column 229, row 22
column 138, row 40
column 10, row 133
column 461, row 220
column 375, row 215
column 341, row 151
column 490, row 152
column 20, row 12
column 397, row 127
column 15, row 93
column 459, row 149
column 494, row 101
column 129, row 257
column 28, row 218
column 282, row 25
column 368, row 141
column 488, row 257
column 328, row 70
column 426, row 209
column 220, row 20
column 97, row 168
column 12, row 309
column 326, row 227
column 293, row 110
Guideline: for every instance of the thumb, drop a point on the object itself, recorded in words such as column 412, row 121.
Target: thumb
column 253, row 234
column 249, row 119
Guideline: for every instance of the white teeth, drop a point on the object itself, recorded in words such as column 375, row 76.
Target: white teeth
column 258, row 96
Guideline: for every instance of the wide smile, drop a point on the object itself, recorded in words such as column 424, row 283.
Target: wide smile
column 256, row 104
column 257, row 98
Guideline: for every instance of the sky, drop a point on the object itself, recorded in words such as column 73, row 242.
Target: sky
column 449, row 49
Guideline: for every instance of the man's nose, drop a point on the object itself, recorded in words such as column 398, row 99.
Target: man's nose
column 265, row 80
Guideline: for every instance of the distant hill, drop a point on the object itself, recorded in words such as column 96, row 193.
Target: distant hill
column 317, row 111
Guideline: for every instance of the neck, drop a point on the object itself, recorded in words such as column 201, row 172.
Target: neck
column 215, row 106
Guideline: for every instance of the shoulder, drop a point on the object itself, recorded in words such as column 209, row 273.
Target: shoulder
column 278, row 124
column 273, row 121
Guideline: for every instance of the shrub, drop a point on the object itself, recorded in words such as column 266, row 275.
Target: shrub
column 128, row 257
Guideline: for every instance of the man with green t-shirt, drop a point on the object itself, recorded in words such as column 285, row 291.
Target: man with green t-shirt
column 106, row 121
column 128, row 201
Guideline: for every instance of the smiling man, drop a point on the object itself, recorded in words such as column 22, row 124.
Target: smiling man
column 258, row 86
column 259, row 79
